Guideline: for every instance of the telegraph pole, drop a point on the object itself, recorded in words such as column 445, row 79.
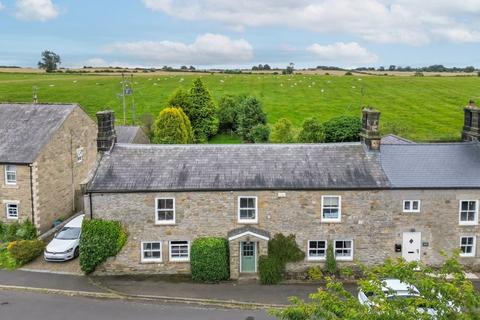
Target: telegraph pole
column 34, row 95
column 133, row 99
column 124, row 101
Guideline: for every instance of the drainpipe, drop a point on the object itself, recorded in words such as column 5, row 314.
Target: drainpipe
column 31, row 193
column 91, row 206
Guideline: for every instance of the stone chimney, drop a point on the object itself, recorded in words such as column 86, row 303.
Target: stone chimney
column 370, row 134
column 106, row 130
column 471, row 123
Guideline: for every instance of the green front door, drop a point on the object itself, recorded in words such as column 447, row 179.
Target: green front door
column 248, row 257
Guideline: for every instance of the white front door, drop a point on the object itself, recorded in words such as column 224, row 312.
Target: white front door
column 412, row 242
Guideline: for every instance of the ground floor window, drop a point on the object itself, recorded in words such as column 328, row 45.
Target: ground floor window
column 343, row 249
column 151, row 251
column 179, row 251
column 317, row 249
column 467, row 246
column 12, row 210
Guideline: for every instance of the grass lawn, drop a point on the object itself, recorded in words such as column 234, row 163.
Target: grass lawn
column 418, row 108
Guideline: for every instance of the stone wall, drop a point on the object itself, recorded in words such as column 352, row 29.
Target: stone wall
column 372, row 219
column 58, row 174
column 20, row 192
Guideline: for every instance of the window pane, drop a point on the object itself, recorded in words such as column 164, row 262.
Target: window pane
column 407, row 205
column 471, row 205
column 415, row 205
column 243, row 202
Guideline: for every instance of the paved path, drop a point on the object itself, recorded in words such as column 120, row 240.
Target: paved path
column 26, row 305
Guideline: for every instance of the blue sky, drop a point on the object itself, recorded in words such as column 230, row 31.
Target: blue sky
column 241, row 33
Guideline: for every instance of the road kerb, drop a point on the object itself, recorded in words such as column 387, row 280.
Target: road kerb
column 229, row 304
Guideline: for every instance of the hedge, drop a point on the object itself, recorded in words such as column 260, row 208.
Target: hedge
column 209, row 259
column 24, row 251
column 17, row 231
column 100, row 239
column 270, row 270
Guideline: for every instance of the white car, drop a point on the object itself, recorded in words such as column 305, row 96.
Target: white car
column 394, row 289
column 65, row 244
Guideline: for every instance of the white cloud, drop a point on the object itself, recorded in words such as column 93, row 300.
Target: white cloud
column 350, row 53
column 386, row 21
column 207, row 49
column 96, row 62
column 35, row 10
column 1, row 6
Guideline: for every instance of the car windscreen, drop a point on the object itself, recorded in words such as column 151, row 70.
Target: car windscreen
column 68, row 233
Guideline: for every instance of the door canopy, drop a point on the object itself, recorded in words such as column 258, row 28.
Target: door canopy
column 248, row 231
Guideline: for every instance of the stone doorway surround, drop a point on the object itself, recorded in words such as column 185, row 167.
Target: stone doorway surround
column 245, row 234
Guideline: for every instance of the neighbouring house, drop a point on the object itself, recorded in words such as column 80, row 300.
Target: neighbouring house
column 46, row 151
column 131, row 134
column 369, row 200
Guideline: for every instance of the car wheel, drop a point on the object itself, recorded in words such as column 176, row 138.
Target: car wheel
column 77, row 252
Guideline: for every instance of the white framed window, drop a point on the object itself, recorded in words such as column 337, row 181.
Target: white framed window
column 165, row 211
column 179, row 251
column 12, row 210
column 468, row 212
column 411, row 205
column 79, row 154
column 317, row 250
column 331, row 208
column 343, row 249
column 151, row 251
column 10, row 174
column 247, row 209
column 467, row 246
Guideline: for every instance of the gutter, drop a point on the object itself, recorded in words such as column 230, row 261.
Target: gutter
column 31, row 193
column 91, row 206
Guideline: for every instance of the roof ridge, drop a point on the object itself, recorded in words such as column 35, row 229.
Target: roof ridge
column 241, row 145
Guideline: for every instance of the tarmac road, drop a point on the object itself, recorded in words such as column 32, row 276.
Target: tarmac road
column 37, row 306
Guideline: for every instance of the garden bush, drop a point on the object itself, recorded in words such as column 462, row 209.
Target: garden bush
column 270, row 270
column 250, row 115
column 342, row 129
column 282, row 132
column 17, row 231
column 315, row 273
column 311, row 132
column 330, row 262
column 100, row 239
column 24, row 251
column 260, row 133
column 209, row 259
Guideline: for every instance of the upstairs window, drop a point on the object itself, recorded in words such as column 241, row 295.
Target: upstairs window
column 411, row 206
column 468, row 212
column 12, row 210
column 467, row 246
column 10, row 174
column 331, row 208
column 343, row 249
column 317, row 249
column 247, row 210
column 165, row 211
column 79, row 153
column 179, row 251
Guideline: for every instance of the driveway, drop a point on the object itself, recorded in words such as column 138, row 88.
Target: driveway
column 67, row 267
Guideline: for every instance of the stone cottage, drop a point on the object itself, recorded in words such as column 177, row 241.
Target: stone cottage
column 46, row 151
column 369, row 200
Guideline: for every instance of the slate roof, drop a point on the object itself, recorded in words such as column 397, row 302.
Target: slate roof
column 131, row 167
column 26, row 128
column 394, row 139
column 126, row 134
column 432, row 165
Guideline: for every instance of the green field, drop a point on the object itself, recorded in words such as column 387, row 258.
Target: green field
column 418, row 108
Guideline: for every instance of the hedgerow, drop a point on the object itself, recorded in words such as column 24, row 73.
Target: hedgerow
column 209, row 259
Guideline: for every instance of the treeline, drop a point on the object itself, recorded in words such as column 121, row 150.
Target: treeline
column 192, row 116
column 432, row 68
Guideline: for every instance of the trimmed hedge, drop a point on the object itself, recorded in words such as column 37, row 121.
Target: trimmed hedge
column 209, row 259
column 100, row 239
column 24, row 251
column 270, row 270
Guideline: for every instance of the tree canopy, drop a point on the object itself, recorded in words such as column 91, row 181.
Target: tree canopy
column 342, row 129
column 202, row 113
column 50, row 61
column 251, row 114
column 172, row 126
column 311, row 132
column 282, row 132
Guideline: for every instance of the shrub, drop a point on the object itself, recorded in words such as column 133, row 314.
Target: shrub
column 348, row 73
column 24, row 251
column 228, row 111
column 260, row 133
column 251, row 114
column 209, row 259
column 203, row 112
column 172, row 126
column 342, row 129
column 330, row 262
column 311, row 132
column 346, row 272
column 17, row 231
column 282, row 132
column 100, row 239
column 285, row 249
column 270, row 270
column 315, row 273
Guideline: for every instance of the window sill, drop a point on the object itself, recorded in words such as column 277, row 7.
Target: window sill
column 467, row 256
column 169, row 223
column 343, row 259
column 179, row 260
column 248, row 222
column 10, row 218
column 473, row 223
column 331, row 221
column 411, row 211
column 150, row 261
column 10, row 186
column 315, row 259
